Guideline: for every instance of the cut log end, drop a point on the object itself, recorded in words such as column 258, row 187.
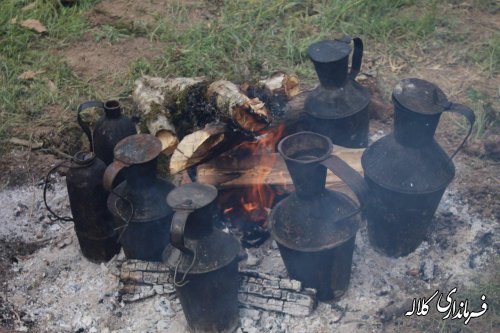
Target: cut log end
column 196, row 147
column 168, row 141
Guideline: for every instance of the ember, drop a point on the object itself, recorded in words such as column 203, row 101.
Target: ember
column 255, row 202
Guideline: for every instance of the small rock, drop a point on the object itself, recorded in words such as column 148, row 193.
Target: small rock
column 162, row 326
column 247, row 323
column 274, row 245
column 93, row 330
column 427, row 269
column 252, row 260
column 413, row 272
column 250, row 313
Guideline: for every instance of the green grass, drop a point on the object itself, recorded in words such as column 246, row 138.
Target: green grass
column 242, row 40
column 250, row 39
column 21, row 101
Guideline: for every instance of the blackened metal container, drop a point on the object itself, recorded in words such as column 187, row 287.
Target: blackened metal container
column 338, row 107
column 109, row 129
column 203, row 260
column 315, row 228
column 92, row 220
column 138, row 203
column 407, row 171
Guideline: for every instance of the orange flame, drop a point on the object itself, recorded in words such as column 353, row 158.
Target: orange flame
column 259, row 199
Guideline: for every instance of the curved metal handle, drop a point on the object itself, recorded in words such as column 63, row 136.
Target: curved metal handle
column 357, row 57
column 468, row 114
column 110, row 174
column 84, row 126
column 349, row 176
column 177, row 230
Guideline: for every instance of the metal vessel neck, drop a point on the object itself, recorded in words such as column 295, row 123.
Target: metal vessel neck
column 414, row 129
column 199, row 223
column 140, row 175
column 112, row 109
column 333, row 74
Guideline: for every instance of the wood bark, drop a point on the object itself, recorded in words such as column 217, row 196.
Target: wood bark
column 250, row 114
column 140, row 280
column 159, row 102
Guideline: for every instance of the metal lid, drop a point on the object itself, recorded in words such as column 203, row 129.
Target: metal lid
column 420, row 96
column 192, row 196
column 329, row 50
column 315, row 224
column 138, row 149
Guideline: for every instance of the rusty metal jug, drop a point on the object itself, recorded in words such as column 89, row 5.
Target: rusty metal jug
column 314, row 227
column 109, row 129
column 338, row 108
column 204, row 260
column 92, row 221
column 407, row 171
column 138, row 203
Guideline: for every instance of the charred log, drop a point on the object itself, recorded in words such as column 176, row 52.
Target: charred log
column 140, row 280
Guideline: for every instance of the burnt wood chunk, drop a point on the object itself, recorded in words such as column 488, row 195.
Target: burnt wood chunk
column 140, row 280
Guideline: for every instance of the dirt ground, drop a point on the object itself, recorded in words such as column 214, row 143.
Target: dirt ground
column 466, row 227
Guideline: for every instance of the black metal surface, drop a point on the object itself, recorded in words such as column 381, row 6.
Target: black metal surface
column 204, row 260
column 138, row 204
column 329, row 271
column 87, row 197
column 338, row 108
column 210, row 300
column 313, row 224
column 109, row 129
column 407, row 171
column 399, row 222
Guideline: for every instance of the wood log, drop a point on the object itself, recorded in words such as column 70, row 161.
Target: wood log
column 197, row 147
column 225, row 171
column 140, row 280
column 250, row 114
column 160, row 101
column 280, row 83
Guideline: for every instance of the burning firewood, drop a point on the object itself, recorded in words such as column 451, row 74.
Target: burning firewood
column 281, row 84
column 250, row 114
column 226, row 172
column 160, row 101
column 140, row 280
column 196, row 116
column 197, row 146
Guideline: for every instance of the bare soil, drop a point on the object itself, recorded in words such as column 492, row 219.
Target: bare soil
column 106, row 65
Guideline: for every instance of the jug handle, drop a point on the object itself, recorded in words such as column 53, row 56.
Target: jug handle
column 349, row 176
column 357, row 57
column 84, row 126
column 468, row 114
column 110, row 174
column 177, row 229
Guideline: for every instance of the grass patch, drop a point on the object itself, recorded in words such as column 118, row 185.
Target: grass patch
column 24, row 101
column 239, row 40
column 251, row 38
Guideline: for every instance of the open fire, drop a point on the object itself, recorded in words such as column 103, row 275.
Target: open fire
column 253, row 204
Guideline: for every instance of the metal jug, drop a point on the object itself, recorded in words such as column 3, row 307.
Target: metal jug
column 407, row 171
column 109, row 129
column 315, row 228
column 338, row 108
column 92, row 221
column 138, row 203
column 204, row 260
